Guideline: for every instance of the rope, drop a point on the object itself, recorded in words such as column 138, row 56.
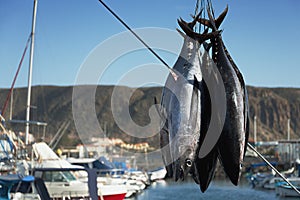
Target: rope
column 203, row 14
column 140, row 39
column 209, row 5
column 266, row 161
column 195, row 13
column 203, row 5
column 15, row 78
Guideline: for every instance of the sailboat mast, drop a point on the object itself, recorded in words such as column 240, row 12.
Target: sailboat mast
column 288, row 130
column 255, row 131
column 30, row 71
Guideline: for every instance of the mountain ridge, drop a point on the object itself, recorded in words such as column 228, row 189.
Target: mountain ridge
column 272, row 106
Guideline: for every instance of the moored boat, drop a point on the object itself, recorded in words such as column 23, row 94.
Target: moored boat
column 109, row 175
column 65, row 183
column 158, row 174
column 17, row 187
column 285, row 190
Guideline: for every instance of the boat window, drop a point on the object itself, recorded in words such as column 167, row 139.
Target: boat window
column 58, row 176
column 53, row 177
column 69, row 176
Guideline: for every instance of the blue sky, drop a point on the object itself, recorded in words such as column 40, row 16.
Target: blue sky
column 262, row 37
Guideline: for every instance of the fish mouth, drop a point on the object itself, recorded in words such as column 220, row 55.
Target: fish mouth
column 180, row 174
column 183, row 170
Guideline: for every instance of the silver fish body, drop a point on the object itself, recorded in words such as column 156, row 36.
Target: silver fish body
column 181, row 101
column 185, row 101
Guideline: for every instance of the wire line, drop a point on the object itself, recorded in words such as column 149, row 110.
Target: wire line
column 139, row 38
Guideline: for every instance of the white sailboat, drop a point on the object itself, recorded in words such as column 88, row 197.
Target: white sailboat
column 18, row 174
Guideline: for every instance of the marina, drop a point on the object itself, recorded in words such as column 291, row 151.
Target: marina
column 219, row 189
column 178, row 156
column 70, row 178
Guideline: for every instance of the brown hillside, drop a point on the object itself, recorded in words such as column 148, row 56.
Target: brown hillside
column 272, row 106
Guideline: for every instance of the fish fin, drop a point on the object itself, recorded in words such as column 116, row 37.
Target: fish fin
column 217, row 21
column 196, row 17
column 169, row 169
column 165, row 150
column 205, row 31
column 196, row 84
column 156, row 103
column 221, row 17
column 205, row 22
column 155, row 100
column 247, row 125
column 207, row 46
column 200, row 37
column 195, row 96
column 158, row 110
column 196, row 88
column 181, row 33
column 211, row 19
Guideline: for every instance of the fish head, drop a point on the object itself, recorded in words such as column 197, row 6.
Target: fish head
column 185, row 163
column 187, row 158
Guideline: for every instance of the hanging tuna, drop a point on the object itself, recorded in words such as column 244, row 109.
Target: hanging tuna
column 234, row 137
column 183, row 101
column 188, row 109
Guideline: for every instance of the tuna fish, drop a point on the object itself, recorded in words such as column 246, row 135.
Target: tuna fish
column 190, row 109
column 182, row 100
column 205, row 166
column 212, row 118
column 233, row 141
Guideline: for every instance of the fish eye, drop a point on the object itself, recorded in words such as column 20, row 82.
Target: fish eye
column 188, row 162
